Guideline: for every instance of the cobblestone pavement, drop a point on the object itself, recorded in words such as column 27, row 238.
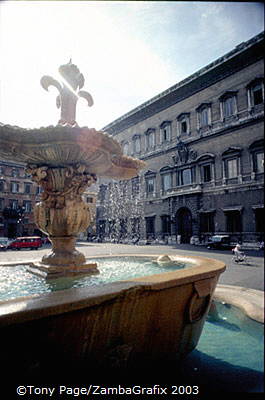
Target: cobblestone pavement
column 249, row 275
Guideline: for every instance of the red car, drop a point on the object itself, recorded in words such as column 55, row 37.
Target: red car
column 27, row 242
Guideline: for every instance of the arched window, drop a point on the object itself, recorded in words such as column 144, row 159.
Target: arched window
column 166, row 178
column 165, row 132
column 136, row 144
column 228, row 105
column 150, row 139
column 125, row 148
column 183, row 124
column 204, row 115
column 150, row 183
column 206, row 166
column 255, row 90
column 186, row 176
column 231, row 164
column 257, row 157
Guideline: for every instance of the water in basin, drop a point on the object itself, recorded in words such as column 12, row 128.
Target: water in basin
column 240, row 339
column 17, row 281
column 230, row 354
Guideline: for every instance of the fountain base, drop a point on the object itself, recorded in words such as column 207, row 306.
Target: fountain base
column 59, row 271
column 64, row 260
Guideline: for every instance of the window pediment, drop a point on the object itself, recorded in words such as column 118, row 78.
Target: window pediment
column 227, row 94
column 149, row 130
column 232, row 151
column 164, row 124
column 150, row 173
column 202, row 106
column 257, row 145
column 258, row 80
column 165, row 169
column 206, row 157
column 183, row 116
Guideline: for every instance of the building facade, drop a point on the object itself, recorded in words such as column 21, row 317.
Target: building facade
column 18, row 195
column 202, row 141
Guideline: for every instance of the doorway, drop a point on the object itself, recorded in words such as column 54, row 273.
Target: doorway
column 184, row 224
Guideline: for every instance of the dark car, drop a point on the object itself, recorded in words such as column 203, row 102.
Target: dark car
column 221, row 242
column 4, row 242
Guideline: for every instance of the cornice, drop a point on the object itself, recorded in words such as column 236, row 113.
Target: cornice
column 240, row 57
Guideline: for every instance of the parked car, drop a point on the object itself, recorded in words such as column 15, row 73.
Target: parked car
column 221, row 242
column 4, row 242
column 27, row 242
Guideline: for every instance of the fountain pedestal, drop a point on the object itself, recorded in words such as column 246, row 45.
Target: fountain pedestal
column 62, row 215
column 64, row 260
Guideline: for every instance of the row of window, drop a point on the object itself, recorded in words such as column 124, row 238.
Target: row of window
column 228, row 109
column 14, row 172
column 15, row 187
column 200, row 171
column 233, row 222
column 14, row 205
column 27, row 205
column 205, row 170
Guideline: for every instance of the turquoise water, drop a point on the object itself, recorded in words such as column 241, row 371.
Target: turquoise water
column 234, row 339
column 17, row 282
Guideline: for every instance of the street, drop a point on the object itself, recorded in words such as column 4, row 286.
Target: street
column 244, row 275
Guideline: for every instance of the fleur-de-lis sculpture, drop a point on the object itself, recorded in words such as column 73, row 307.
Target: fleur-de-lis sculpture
column 69, row 92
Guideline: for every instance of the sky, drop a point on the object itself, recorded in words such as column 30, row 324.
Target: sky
column 128, row 51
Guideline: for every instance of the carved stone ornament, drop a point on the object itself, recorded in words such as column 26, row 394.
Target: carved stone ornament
column 184, row 154
column 200, row 300
column 68, row 94
column 62, row 214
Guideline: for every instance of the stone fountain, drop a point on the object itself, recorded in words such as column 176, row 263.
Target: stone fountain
column 141, row 324
column 64, row 160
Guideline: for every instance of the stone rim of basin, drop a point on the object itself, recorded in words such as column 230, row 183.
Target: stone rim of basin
column 60, row 146
column 39, row 306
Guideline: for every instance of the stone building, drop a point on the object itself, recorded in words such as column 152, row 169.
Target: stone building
column 202, row 141
column 18, row 195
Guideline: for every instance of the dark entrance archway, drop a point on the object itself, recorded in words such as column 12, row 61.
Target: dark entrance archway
column 184, row 224
column 11, row 230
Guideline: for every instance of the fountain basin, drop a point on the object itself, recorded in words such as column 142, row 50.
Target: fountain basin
column 65, row 146
column 149, row 321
